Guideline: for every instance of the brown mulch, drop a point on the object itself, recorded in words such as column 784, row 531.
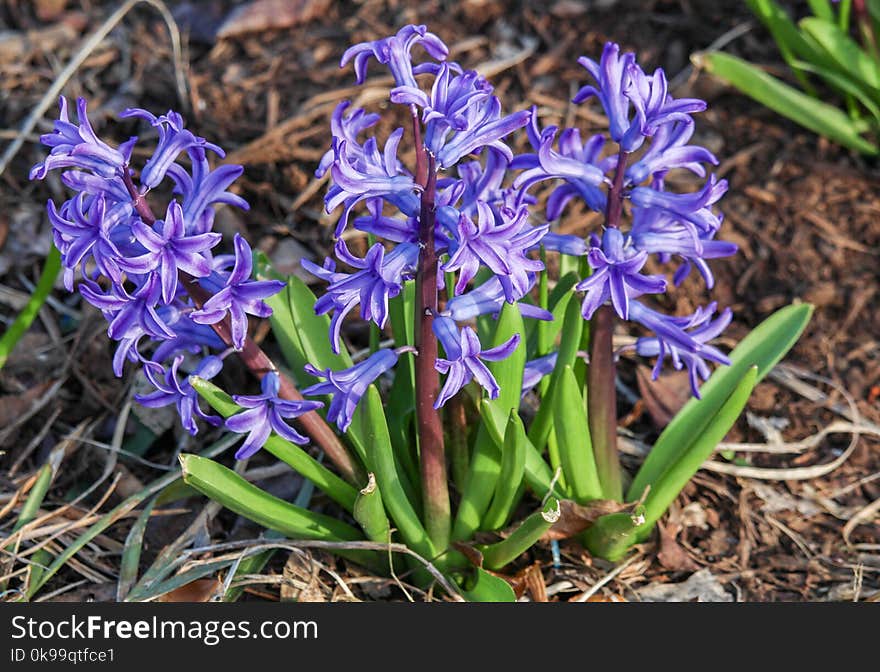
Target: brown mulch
column 805, row 213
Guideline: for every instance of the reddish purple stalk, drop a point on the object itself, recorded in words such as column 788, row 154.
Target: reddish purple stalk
column 601, row 374
column 259, row 363
column 432, row 455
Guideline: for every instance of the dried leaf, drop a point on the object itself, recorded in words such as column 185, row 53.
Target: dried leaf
column 663, row 397
column 200, row 590
column 471, row 553
column 261, row 15
column 13, row 406
column 672, row 556
column 575, row 518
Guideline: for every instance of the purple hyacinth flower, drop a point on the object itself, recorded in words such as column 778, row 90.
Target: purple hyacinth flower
column 564, row 243
column 81, row 233
column 347, row 128
column 173, row 391
column 202, row 187
column 265, row 413
column 170, row 248
column 174, row 138
column 395, row 52
column 462, row 116
column 463, row 359
column 77, row 146
column 578, row 163
column 653, row 105
column 616, row 275
column 188, row 336
column 370, row 174
column 489, row 298
column 701, row 330
column 381, row 278
column 240, row 296
column 613, row 74
column 128, row 312
column 349, row 385
column 669, row 150
column 536, row 369
column 500, row 246
column 694, row 208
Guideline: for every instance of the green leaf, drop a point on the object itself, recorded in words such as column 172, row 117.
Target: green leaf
column 537, row 474
column 791, row 42
column 497, row 555
column 845, row 51
column 224, row 486
column 666, row 486
column 822, row 9
column 485, row 466
column 509, row 371
column 763, row 347
column 369, row 512
column 845, row 85
column 380, row 460
column 572, row 330
column 23, row 322
column 513, row 462
column 810, row 113
column 304, row 337
column 488, row 588
column 306, row 465
column 573, row 435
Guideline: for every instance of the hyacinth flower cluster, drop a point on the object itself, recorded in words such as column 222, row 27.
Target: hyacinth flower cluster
column 448, row 215
column 623, row 175
column 171, row 302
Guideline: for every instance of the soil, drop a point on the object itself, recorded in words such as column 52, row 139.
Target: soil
column 805, row 214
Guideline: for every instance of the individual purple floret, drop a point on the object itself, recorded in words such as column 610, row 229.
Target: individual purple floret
column 173, row 140
column 79, row 147
column 463, row 359
column 616, row 265
column 690, row 351
column 396, row 53
column 265, row 413
column 349, row 385
column 170, row 390
column 170, row 249
column 240, row 296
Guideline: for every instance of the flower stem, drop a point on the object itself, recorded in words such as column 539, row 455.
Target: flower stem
column 435, row 488
column 601, row 392
column 258, row 362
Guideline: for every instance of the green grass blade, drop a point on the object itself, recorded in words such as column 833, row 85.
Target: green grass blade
column 573, row 435
column 116, row 512
column 131, row 552
column 26, row 317
column 763, row 347
column 810, row 113
column 298, row 459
